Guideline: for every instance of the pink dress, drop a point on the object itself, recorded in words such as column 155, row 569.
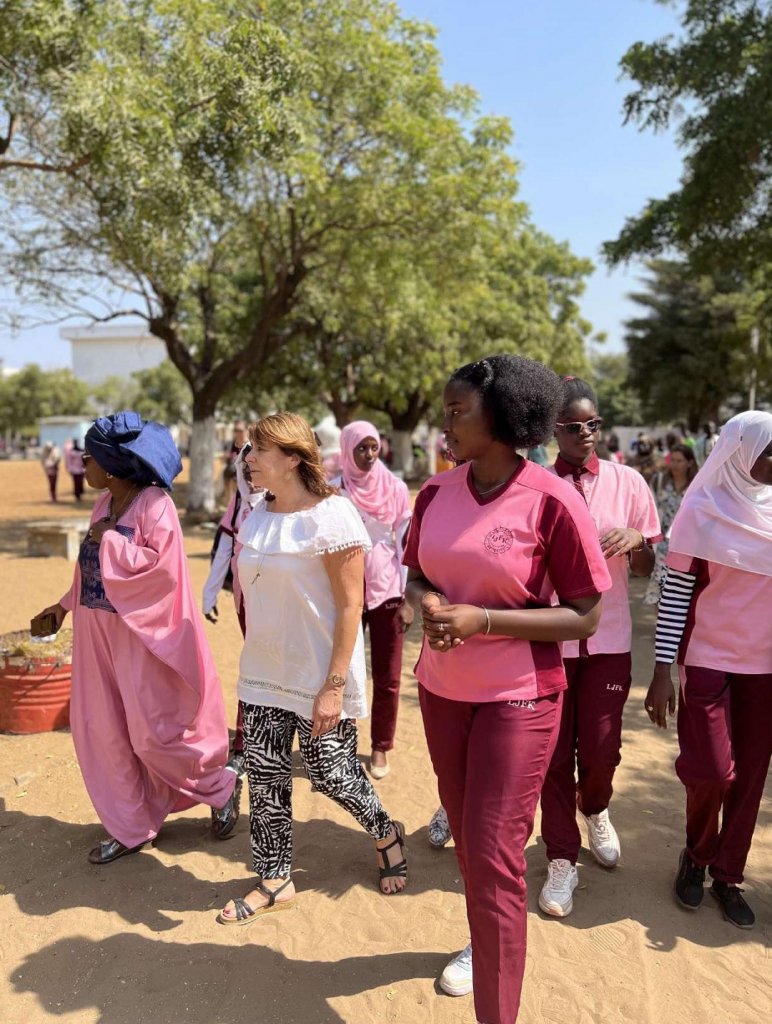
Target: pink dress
column 147, row 714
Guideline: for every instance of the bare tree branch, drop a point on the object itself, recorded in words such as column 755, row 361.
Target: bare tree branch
column 34, row 165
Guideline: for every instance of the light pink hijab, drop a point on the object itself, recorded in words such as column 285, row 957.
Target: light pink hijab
column 374, row 491
column 726, row 516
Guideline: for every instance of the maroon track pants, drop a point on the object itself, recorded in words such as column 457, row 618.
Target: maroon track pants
column 588, row 749
column 386, row 642
column 490, row 761
column 725, row 736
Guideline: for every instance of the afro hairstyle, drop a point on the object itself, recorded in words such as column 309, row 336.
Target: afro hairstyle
column 523, row 397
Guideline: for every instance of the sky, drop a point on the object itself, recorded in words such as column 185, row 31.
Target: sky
column 552, row 68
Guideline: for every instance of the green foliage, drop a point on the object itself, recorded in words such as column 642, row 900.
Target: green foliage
column 160, row 393
column 690, row 353
column 617, row 401
column 713, row 84
column 286, row 192
column 32, row 393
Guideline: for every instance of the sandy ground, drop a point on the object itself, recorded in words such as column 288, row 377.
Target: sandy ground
column 137, row 940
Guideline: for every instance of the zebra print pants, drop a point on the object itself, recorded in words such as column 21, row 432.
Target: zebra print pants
column 332, row 766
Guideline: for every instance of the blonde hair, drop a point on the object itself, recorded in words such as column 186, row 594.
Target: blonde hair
column 294, row 436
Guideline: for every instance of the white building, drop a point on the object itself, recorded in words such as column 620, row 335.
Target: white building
column 100, row 351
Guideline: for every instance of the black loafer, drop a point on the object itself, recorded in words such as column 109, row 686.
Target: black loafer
column 224, row 818
column 733, row 906
column 110, row 849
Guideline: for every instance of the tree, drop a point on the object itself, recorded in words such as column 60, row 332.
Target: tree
column 32, row 394
column 689, row 353
column 618, row 402
column 226, row 153
column 156, row 111
column 713, row 83
column 382, row 335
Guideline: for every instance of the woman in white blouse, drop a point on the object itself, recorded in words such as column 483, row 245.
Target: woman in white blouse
column 301, row 570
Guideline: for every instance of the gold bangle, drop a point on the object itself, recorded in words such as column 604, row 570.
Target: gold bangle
column 487, row 621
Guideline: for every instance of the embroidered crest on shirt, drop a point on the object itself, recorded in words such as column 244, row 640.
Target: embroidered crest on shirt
column 499, row 540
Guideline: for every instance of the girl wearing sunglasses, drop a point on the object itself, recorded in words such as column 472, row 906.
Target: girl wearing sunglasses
column 598, row 669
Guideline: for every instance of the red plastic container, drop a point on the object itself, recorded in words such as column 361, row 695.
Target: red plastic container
column 34, row 695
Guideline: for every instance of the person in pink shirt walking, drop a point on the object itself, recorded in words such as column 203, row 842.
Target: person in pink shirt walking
column 146, row 711
column 714, row 620
column 504, row 564
column 598, row 669
column 383, row 502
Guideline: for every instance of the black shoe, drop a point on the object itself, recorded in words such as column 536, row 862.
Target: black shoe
column 110, row 849
column 733, row 906
column 224, row 818
column 689, row 883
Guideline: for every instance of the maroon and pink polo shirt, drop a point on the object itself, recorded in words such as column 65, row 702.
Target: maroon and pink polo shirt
column 528, row 545
column 617, row 496
column 727, row 628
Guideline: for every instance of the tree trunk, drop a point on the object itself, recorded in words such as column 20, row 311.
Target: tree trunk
column 431, row 455
column 402, row 446
column 403, row 424
column 202, row 453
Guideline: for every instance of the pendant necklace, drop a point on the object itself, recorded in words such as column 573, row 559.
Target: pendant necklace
column 259, row 567
column 489, row 489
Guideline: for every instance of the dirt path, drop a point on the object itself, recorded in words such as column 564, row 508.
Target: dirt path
column 137, row 940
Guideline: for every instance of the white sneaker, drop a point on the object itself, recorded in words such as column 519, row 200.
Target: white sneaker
column 602, row 839
column 555, row 897
column 456, row 979
column 439, row 829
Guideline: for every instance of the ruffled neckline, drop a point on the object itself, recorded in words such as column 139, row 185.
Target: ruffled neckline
column 331, row 525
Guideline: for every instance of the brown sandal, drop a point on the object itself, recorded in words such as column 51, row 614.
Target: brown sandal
column 246, row 914
column 398, row 870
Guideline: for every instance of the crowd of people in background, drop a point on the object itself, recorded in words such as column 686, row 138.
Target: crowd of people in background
column 517, row 571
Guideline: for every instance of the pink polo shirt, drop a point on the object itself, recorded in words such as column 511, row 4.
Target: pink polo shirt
column 616, row 496
column 728, row 625
column 526, row 546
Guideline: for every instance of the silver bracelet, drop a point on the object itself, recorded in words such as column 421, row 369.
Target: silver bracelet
column 487, row 622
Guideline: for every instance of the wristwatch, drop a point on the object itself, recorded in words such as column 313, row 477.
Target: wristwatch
column 335, row 680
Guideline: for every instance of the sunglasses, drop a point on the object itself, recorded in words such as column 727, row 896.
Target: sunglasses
column 578, row 426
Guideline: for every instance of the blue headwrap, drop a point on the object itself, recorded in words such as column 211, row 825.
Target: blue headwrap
column 130, row 448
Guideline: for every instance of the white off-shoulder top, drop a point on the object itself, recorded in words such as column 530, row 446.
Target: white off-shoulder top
column 289, row 606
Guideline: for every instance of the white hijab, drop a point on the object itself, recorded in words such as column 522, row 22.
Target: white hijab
column 726, row 516
column 249, row 498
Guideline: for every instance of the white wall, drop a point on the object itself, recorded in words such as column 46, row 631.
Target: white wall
column 98, row 353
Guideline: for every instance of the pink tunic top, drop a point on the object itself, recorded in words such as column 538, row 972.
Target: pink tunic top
column 526, row 546
column 383, row 564
column 616, row 496
column 728, row 626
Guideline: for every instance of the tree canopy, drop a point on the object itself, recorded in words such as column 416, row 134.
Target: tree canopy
column 689, row 352
column 33, row 393
column 284, row 191
column 713, row 84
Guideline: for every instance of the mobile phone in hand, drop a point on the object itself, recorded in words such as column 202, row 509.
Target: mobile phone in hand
column 43, row 625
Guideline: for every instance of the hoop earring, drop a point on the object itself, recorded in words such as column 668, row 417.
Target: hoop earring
column 109, row 476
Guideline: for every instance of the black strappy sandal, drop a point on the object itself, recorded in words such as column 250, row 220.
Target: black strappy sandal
column 246, row 914
column 224, row 818
column 398, row 870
